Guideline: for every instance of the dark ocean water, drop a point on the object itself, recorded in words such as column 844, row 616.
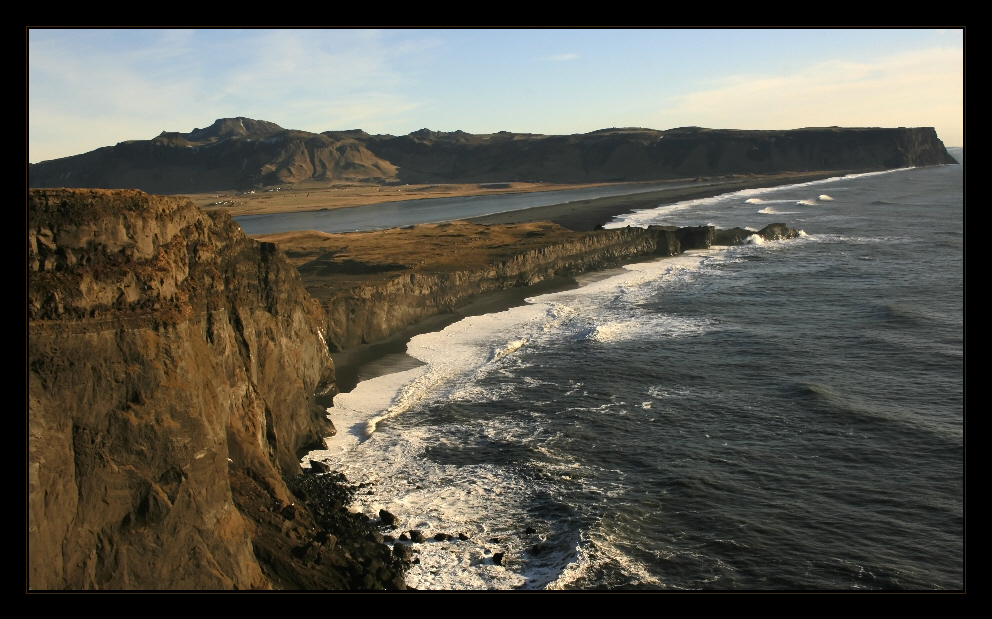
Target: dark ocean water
column 785, row 415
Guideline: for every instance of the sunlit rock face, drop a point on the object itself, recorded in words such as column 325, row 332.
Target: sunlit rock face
column 166, row 352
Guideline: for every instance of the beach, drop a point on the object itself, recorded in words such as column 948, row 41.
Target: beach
column 588, row 214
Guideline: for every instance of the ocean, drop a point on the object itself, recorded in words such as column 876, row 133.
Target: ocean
column 782, row 415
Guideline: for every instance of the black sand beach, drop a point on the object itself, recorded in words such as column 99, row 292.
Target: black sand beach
column 585, row 215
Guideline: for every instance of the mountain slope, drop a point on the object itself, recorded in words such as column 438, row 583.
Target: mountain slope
column 241, row 153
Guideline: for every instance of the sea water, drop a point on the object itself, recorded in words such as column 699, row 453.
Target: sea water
column 777, row 415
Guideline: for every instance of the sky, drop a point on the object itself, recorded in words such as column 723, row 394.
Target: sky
column 94, row 88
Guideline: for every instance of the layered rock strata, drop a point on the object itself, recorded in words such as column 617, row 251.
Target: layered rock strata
column 172, row 367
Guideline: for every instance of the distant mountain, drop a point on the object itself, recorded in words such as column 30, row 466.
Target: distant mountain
column 242, row 153
column 233, row 153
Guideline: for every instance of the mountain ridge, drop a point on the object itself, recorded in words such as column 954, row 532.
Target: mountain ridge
column 242, row 153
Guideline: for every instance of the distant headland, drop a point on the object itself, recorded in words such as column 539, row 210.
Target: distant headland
column 244, row 154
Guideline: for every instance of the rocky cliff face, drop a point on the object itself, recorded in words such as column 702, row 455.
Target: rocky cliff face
column 238, row 153
column 166, row 353
column 367, row 302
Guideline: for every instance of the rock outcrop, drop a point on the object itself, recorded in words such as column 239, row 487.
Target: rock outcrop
column 241, row 153
column 168, row 355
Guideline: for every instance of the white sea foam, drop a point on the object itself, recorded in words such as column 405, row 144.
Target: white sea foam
column 824, row 198
column 662, row 214
column 596, row 553
column 485, row 501
column 402, row 458
column 491, row 501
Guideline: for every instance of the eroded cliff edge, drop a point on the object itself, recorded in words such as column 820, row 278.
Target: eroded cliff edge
column 374, row 284
column 170, row 360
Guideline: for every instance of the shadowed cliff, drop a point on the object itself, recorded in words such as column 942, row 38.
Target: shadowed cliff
column 241, row 153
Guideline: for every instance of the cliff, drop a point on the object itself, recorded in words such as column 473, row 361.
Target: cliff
column 241, row 153
column 172, row 367
column 616, row 155
column 373, row 285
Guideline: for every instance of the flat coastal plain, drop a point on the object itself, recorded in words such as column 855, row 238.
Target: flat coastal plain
column 580, row 215
column 317, row 196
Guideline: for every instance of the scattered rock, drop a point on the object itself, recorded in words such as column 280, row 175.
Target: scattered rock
column 309, row 553
column 317, row 467
column 327, row 540
column 462, row 536
column 289, row 512
column 404, row 537
column 402, row 552
column 418, row 536
column 530, row 531
column 498, row 558
column 386, row 517
column 442, row 537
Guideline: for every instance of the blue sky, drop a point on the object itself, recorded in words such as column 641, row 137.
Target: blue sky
column 93, row 88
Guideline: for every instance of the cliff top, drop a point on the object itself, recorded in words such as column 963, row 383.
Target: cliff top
column 362, row 258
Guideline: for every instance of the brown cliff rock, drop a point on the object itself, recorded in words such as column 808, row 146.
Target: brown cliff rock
column 373, row 285
column 166, row 353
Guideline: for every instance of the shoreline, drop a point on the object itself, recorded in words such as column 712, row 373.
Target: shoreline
column 586, row 215
column 366, row 361
column 356, row 364
column 353, row 195
column 271, row 202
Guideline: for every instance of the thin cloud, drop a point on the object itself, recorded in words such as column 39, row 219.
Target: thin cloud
column 561, row 57
column 912, row 89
